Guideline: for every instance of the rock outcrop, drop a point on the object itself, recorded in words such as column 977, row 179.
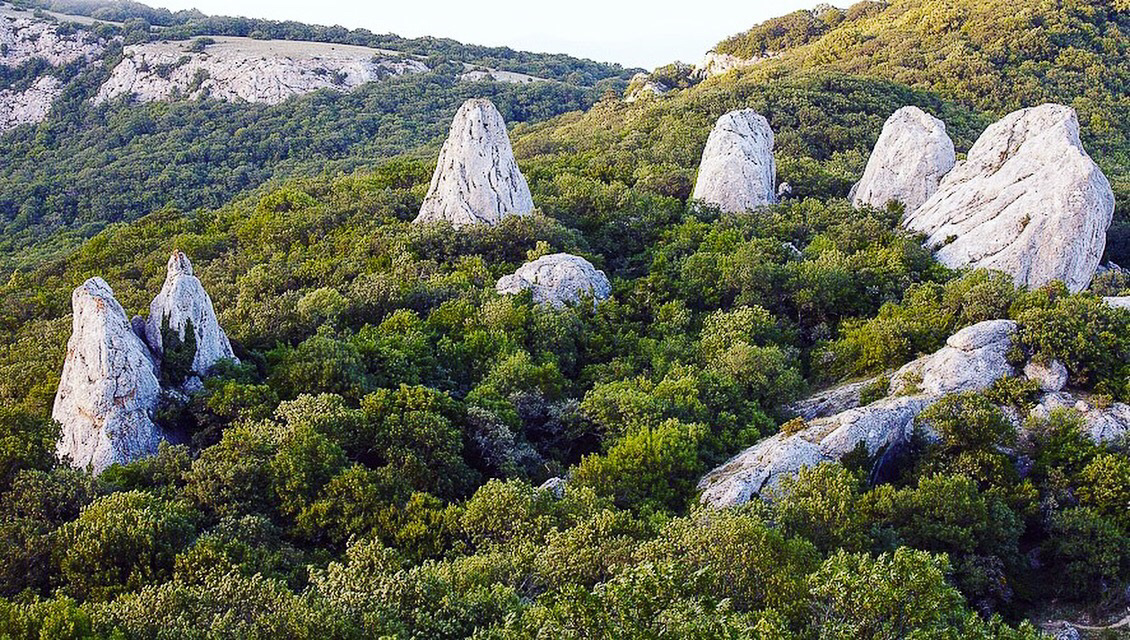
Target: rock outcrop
column 642, row 86
column 1118, row 302
column 909, row 160
column 557, row 279
column 1028, row 201
column 972, row 360
column 248, row 70
column 29, row 106
column 108, row 391
column 716, row 64
column 737, row 172
column 183, row 299
column 477, row 179
column 25, row 38
column 1105, row 423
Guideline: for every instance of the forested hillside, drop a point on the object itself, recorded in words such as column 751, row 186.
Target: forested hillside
column 371, row 467
column 90, row 164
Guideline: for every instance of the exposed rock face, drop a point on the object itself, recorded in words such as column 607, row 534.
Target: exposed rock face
column 972, row 360
column 643, row 86
column 737, row 172
column 908, row 162
column 25, row 38
column 108, row 391
column 1051, row 376
column 477, row 179
column 1107, row 424
column 1028, row 201
column 1118, row 302
column 243, row 69
column 480, row 74
column 557, row 280
column 716, row 64
column 182, row 298
column 30, row 106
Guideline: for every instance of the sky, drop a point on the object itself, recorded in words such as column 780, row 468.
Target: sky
column 635, row 33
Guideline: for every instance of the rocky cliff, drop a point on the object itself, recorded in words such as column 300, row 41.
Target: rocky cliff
column 1027, row 200
column 108, row 391
column 243, row 69
column 737, row 172
column 477, row 179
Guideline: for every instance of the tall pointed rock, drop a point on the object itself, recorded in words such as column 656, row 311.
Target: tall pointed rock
column 108, row 391
column 477, row 179
column 737, row 172
column 912, row 155
column 183, row 299
column 1027, row 200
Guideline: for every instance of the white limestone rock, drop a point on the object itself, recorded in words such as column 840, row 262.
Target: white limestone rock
column 1118, row 302
column 247, row 70
column 912, row 155
column 183, row 298
column 1027, row 201
column 737, row 172
column 477, row 179
column 557, row 279
column 972, row 360
column 759, row 469
column 642, row 86
column 1051, row 376
column 25, row 38
column 1107, row 424
column 716, row 64
column 108, row 390
column 29, row 106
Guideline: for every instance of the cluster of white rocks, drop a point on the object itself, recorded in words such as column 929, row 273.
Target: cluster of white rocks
column 248, row 70
column 1027, row 200
column 833, row 423
column 109, row 390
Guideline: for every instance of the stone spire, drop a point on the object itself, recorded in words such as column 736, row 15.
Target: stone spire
column 737, row 172
column 182, row 298
column 477, row 179
column 909, row 160
column 108, row 391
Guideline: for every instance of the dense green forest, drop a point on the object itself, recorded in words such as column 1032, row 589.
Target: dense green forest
column 370, row 469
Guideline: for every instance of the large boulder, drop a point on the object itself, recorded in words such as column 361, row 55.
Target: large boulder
column 557, row 279
column 909, row 160
column 108, row 391
column 477, row 179
column 737, row 172
column 183, row 300
column 972, row 360
column 1028, row 201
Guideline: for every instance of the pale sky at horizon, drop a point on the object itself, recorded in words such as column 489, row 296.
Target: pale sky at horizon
column 634, row 33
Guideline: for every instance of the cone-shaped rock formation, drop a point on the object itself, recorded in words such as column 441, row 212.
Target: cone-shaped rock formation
column 477, row 179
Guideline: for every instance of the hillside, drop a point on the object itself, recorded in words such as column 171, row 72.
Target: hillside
column 412, row 446
column 121, row 119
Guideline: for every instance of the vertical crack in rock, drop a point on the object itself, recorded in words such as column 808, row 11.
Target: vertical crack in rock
column 108, row 390
column 737, row 172
column 1027, row 201
column 477, row 178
